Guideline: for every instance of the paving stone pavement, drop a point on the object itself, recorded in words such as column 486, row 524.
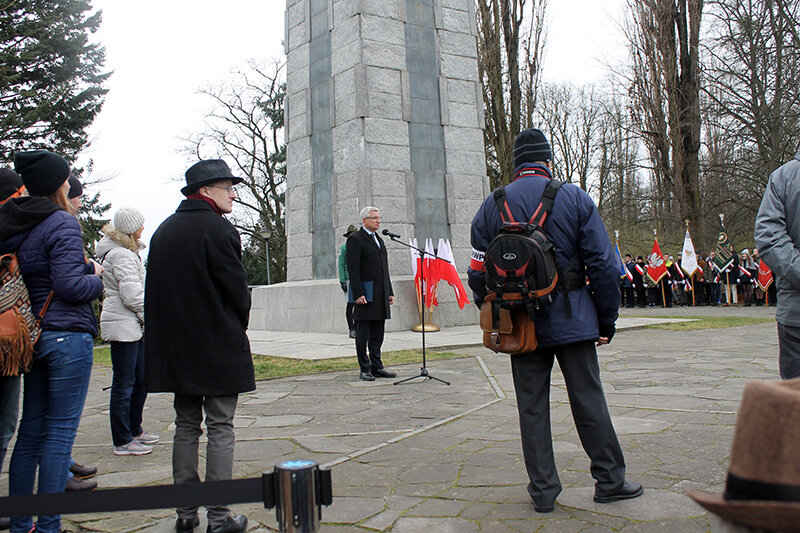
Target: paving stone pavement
column 425, row 457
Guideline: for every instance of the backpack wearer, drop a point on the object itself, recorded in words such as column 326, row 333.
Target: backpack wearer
column 19, row 326
column 521, row 274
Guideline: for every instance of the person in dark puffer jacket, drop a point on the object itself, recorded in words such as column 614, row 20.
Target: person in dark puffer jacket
column 47, row 239
column 583, row 250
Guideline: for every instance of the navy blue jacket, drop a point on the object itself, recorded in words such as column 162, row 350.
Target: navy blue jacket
column 49, row 248
column 576, row 231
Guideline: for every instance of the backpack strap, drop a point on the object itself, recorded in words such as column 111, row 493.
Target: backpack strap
column 546, row 205
column 502, row 206
column 46, row 305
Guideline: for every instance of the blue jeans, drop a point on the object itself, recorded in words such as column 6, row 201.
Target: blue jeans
column 52, row 403
column 128, row 391
column 9, row 411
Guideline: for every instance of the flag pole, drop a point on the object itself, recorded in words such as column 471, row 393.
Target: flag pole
column 694, row 301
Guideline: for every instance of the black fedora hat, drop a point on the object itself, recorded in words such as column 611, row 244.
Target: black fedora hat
column 206, row 172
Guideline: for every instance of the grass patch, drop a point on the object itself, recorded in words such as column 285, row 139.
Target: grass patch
column 102, row 356
column 710, row 322
column 269, row 367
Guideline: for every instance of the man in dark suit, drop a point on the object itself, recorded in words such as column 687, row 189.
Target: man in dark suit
column 368, row 267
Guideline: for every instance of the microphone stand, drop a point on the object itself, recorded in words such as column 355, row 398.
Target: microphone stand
column 423, row 372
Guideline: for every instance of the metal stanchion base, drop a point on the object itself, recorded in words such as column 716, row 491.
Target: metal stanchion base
column 429, row 326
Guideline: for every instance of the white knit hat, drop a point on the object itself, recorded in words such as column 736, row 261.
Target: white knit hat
column 128, row 220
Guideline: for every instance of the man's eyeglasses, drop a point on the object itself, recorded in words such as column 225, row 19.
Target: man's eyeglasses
column 228, row 188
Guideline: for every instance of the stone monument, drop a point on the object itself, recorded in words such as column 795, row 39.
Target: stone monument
column 383, row 107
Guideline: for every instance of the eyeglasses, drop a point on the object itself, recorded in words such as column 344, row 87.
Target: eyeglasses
column 374, row 218
column 228, row 188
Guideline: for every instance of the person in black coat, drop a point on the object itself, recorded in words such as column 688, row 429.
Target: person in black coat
column 371, row 290
column 626, row 284
column 196, row 312
column 638, row 270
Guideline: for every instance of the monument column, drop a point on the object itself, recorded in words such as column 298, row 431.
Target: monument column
column 383, row 108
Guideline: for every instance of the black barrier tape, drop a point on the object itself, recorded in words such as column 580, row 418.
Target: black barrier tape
column 249, row 490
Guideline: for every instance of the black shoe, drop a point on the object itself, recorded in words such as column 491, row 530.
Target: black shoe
column 182, row 525
column 232, row 524
column 628, row 491
column 352, row 334
column 82, row 471
column 383, row 373
column 366, row 376
column 544, row 508
column 77, row 484
column 5, row 522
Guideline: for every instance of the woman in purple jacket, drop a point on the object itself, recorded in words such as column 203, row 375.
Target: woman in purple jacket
column 47, row 240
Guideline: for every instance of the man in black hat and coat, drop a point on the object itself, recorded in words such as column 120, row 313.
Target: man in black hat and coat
column 196, row 313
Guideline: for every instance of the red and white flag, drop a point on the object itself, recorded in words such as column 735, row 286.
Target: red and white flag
column 449, row 273
column 765, row 276
column 656, row 267
column 431, row 274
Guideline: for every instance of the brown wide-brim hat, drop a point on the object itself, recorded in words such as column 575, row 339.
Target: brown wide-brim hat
column 350, row 230
column 207, row 172
column 763, row 485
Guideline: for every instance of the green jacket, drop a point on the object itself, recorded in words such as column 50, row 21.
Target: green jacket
column 343, row 276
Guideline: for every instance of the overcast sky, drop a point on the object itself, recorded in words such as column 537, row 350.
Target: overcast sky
column 163, row 52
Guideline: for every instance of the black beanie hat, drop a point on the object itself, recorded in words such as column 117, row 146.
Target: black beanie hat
column 531, row 146
column 75, row 187
column 10, row 183
column 42, row 172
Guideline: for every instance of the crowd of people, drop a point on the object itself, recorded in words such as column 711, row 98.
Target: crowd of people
column 194, row 304
column 39, row 203
column 736, row 285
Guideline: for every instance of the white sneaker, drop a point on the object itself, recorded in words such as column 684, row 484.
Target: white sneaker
column 146, row 438
column 133, row 448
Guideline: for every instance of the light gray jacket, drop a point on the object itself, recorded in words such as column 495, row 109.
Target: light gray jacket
column 777, row 237
column 122, row 318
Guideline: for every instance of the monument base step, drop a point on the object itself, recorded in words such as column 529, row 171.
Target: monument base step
column 318, row 306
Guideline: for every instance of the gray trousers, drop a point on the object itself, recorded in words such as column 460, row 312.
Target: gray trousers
column 578, row 363
column 219, row 411
column 789, row 351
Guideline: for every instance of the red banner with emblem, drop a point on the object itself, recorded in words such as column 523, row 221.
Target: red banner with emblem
column 765, row 277
column 656, row 266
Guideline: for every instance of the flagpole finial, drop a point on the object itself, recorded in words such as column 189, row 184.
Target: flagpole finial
column 616, row 234
column 687, row 224
column 722, row 218
column 655, row 232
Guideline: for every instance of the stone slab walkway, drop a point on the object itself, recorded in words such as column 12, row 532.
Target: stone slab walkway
column 299, row 345
column 425, row 457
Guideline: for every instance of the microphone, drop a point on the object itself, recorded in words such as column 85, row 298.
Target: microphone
column 390, row 234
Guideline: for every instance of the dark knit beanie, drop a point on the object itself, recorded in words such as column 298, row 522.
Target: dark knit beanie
column 531, row 146
column 75, row 187
column 42, row 172
column 10, row 183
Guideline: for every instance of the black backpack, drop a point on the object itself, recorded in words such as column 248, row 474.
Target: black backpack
column 520, row 262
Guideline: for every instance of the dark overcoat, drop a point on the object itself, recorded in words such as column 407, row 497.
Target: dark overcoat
column 367, row 262
column 197, row 306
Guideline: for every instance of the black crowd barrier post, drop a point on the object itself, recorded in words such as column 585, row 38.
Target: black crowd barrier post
column 298, row 490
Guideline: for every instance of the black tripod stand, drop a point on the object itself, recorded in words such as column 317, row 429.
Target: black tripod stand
column 423, row 372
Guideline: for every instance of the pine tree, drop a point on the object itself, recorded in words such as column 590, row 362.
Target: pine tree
column 51, row 83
